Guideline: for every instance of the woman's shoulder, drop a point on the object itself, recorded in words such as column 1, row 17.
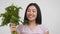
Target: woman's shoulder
column 19, row 27
column 43, row 27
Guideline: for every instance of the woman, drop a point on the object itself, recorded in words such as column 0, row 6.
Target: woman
column 34, row 21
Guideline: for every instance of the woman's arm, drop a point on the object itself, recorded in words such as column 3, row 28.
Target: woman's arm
column 47, row 32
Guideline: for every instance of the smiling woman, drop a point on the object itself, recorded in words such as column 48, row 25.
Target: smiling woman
column 34, row 21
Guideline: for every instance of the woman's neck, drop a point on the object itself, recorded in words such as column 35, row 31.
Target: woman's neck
column 32, row 23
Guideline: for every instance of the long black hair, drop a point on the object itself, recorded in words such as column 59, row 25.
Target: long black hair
column 39, row 17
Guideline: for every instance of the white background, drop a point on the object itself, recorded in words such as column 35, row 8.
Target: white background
column 50, row 13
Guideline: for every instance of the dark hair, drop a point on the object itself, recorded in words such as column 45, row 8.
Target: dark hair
column 39, row 17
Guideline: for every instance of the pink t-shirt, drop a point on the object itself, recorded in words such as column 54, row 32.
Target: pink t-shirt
column 24, row 29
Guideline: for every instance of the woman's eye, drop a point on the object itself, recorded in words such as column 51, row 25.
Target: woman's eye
column 28, row 11
column 33, row 11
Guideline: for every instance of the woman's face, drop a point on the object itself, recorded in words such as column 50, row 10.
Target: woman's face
column 31, row 13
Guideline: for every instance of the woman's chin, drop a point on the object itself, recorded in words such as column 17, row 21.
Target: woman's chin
column 31, row 20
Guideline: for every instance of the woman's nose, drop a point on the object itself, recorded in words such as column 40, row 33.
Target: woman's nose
column 31, row 12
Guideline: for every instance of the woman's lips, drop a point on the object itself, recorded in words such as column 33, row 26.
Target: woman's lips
column 30, row 16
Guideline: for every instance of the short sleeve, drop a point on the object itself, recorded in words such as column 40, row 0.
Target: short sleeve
column 19, row 28
column 45, row 28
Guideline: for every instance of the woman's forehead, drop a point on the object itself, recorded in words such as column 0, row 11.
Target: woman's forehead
column 32, row 7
